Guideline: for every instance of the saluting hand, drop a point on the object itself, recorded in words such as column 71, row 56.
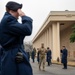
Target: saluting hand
column 20, row 12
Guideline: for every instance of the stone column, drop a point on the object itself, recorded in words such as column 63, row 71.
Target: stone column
column 50, row 37
column 47, row 38
column 56, row 41
column 44, row 38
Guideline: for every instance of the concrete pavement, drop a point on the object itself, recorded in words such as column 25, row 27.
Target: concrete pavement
column 52, row 70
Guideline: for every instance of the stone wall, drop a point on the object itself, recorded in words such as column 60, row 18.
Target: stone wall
column 65, row 40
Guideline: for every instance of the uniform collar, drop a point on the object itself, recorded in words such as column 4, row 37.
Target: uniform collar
column 8, row 14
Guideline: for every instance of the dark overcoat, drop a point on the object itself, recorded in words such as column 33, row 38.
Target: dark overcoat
column 0, row 64
column 49, row 55
column 38, row 56
column 12, row 34
column 33, row 54
column 28, row 55
column 64, row 56
column 1, row 52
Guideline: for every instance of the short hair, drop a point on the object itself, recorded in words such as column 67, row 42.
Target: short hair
column 42, row 43
column 47, row 47
column 13, row 5
column 7, row 10
column 64, row 46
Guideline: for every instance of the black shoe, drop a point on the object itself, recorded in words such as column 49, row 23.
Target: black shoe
column 64, row 68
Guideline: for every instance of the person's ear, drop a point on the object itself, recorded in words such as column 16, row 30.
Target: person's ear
column 11, row 11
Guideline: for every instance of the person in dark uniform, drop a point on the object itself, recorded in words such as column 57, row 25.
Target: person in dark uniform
column 38, row 55
column 64, row 57
column 33, row 55
column 49, row 53
column 14, row 60
column 28, row 55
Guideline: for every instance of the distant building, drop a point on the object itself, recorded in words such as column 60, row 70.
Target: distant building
column 55, row 32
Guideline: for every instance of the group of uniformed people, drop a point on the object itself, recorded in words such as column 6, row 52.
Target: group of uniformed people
column 44, row 55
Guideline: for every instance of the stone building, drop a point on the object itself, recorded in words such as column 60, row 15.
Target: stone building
column 55, row 33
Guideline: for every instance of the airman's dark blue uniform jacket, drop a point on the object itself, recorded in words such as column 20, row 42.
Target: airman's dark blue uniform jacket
column 12, row 34
column 64, row 56
column 49, row 55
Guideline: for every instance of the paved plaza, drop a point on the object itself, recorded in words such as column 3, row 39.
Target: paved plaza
column 52, row 70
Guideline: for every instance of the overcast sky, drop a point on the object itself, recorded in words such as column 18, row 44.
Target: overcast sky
column 38, row 10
